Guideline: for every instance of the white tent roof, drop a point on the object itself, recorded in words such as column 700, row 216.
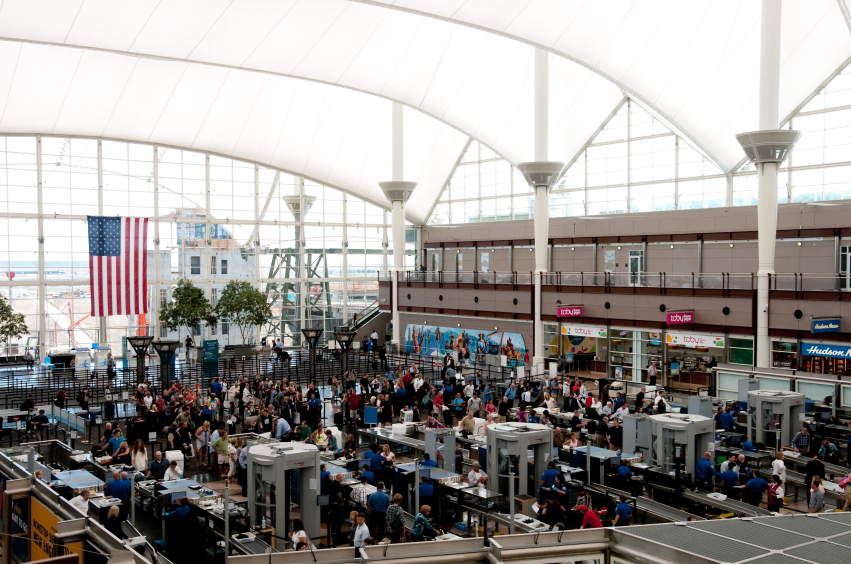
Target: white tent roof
column 305, row 85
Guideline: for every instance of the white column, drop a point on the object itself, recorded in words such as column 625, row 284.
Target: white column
column 153, row 315
column 207, row 240
column 397, row 123
column 42, row 300
column 541, row 192
column 258, row 330
column 102, row 329
column 769, row 94
column 397, row 215
column 345, row 261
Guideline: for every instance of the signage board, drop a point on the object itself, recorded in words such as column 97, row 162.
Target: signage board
column 584, row 331
column 694, row 339
column 831, row 351
column 825, row 325
column 679, row 317
column 569, row 311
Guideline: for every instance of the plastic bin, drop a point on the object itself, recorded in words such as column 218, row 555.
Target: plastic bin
column 809, row 405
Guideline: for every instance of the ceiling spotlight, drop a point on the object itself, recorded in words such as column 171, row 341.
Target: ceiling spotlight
column 572, row 248
column 459, row 325
column 731, row 244
column 672, row 246
column 619, row 248
column 799, row 243
column 495, row 328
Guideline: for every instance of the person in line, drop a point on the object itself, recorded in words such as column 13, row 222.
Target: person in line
column 361, row 534
column 801, row 442
column 377, row 505
column 422, row 527
column 652, row 373
column 298, row 535
column 221, row 445
column 590, row 519
column 81, row 502
column 157, row 468
column 360, row 493
column 203, row 442
column 113, row 522
column 427, row 462
column 778, row 467
column 122, row 455
column 395, row 520
column 814, row 468
column 730, row 483
column 816, row 495
column 140, row 456
column 623, row 511
column 426, row 491
column 120, row 489
column 552, row 512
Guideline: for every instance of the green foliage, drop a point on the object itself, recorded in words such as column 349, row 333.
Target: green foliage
column 243, row 305
column 12, row 325
column 188, row 308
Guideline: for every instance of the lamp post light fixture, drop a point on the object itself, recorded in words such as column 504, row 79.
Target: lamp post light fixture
column 312, row 336
column 140, row 346
column 345, row 338
column 166, row 351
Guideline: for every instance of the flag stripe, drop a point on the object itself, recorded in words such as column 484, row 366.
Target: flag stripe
column 118, row 265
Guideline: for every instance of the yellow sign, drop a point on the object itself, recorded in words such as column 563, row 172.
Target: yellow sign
column 43, row 526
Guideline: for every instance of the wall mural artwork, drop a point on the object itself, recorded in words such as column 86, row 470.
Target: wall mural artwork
column 573, row 344
column 437, row 341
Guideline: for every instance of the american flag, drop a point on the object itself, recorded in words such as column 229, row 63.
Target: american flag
column 118, row 265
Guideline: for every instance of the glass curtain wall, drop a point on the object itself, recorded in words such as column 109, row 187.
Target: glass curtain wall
column 820, row 166
column 212, row 220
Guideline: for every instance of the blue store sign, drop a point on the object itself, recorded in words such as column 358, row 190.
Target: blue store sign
column 832, row 351
column 826, row 325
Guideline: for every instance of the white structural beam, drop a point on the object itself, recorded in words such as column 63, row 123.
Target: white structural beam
column 542, row 200
column 769, row 96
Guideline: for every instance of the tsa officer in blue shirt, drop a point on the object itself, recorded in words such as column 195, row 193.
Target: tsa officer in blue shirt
column 755, row 487
column 549, row 475
column 730, row 483
column 704, row 471
column 426, row 491
column 728, row 422
column 427, row 462
column 747, row 446
column 182, row 510
column 370, row 477
column 324, row 476
column 623, row 511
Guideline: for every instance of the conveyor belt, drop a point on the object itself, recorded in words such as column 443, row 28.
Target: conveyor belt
column 727, row 505
column 660, row 511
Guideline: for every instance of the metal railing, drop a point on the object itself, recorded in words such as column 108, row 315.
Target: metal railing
column 468, row 277
column 804, row 282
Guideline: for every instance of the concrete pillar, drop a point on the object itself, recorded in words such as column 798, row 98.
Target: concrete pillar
column 397, row 191
column 768, row 148
column 541, row 175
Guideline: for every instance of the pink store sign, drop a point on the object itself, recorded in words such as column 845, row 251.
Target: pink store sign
column 570, row 311
column 679, row 317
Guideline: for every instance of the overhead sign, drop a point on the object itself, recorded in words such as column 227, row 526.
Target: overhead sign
column 694, row 340
column 570, row 311
column 826, row 325
column 832, row 351
column 584, row 331
column 679, row 317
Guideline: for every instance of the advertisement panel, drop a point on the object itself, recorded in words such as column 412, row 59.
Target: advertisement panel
column 437, row 341
column 695, row 340
column 679, row 317
column 43, row 526
column 20, row 512
column 831, row 351
column 569, row 311
column 584, row 331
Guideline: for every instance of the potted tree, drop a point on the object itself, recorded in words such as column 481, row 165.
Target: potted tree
column 12, row 325
column 188, row 308
column 246, row 307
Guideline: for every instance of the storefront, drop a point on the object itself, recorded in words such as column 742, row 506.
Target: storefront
column 784, row 354
column 632, row 351
column 583, row 345
column 824, row 357
column 690, row 356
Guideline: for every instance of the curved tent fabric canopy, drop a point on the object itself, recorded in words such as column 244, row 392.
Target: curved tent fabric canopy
column 305, row 85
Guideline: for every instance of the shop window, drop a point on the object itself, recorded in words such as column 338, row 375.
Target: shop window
column 784, row 355
column 741, row 351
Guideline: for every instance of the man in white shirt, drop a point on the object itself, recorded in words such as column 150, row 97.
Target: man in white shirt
column 621, row 411
column 469, row 389
column 418, row 383
column 726, row 465
column 81, row 502
column 526, row 396
column 173, row 472
column 374, row 338
column 660, row 405
column 583, row 393
column 607, row 409
column 362, row 532
column 476, row 476
column 565, row 388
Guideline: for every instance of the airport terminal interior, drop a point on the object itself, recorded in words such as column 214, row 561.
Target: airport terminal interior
column 485, row 282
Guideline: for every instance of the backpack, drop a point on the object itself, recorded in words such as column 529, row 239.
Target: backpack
column 397, row 522
column 844, row 482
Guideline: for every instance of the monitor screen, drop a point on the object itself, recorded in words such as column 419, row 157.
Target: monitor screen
column 825, row 416
column 735, row 440
column 175, row 497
